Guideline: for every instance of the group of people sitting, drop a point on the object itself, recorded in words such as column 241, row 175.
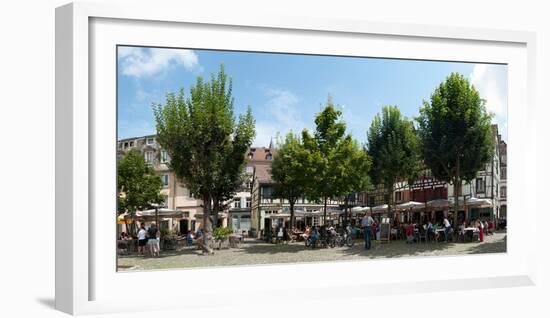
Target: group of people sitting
column 430, row 230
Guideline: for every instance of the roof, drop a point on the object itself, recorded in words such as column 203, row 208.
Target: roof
column 261, row 154
column 263, row 173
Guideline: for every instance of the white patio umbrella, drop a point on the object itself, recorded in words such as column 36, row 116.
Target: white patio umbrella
column 439, row 203
column 162, row 212
column 356, row 209
column 410, row 205
column 380, row 208
column 476, row 202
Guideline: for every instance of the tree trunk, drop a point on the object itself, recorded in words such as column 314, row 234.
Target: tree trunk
column 346, row 202
column 325, row 212
column 215, row 212
column 157, row 217
column 390, row 201
column 206, row 225
column 457, row 186
column 291, row 202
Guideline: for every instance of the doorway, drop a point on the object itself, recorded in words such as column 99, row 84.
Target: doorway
column 184, row 227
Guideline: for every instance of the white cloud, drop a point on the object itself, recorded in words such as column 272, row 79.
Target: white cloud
column 491, row 82
column 140, row 62
column 284, row 116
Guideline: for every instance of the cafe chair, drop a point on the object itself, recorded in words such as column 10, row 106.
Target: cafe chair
column 422, row 235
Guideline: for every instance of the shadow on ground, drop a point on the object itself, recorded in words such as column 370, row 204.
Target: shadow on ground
column 395, row 249
column 492, row 247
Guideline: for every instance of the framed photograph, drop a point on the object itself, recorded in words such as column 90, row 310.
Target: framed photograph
column 256, row 156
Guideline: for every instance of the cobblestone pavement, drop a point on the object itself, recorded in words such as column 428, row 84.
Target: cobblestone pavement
column 258, row 252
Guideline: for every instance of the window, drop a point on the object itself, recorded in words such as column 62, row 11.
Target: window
column 237, row 202
column 250, row 156
column 165, row 180
column 131, row 143
column 249, row 169
column 480, row 185
column 503, row 172
column 125, row 145
column 249, row 185
column 386, row 198
column 164, row 156
column 371, row 201
column 165, row 200
column 398, row 196
column 248, row 202
column 316, row 221
column 503, row 192
column 267, row 192
column 148, row 156
column 150, row 141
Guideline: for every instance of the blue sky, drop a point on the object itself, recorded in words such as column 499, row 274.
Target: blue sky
column 285, row 91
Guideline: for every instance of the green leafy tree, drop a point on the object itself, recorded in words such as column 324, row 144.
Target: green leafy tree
column 455, row 132
column 354, row 173
column 289, row 170
column 394, row 148
column 231, row 177
column 324, row 155
column 138, row 185
column 206, row 144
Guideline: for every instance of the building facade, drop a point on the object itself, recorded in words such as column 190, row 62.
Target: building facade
column 486, row 185
column 503, row 177
column 176, row 195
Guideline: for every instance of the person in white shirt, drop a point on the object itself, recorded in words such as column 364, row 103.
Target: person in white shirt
column 280, row 234
column 447, row 226
column 142, row 239
column 367, row 223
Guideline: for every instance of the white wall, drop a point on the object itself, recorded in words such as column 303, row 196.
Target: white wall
column 27, row 125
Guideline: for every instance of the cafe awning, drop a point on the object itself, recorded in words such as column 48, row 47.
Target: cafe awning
column 124, row 218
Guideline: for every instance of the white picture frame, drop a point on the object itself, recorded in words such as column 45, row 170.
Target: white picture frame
column 84, row 287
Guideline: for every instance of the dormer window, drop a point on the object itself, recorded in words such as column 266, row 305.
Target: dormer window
column 269, row 156
column 150, row 141
column 250, row 156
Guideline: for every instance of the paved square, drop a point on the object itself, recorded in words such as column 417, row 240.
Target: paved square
column 254, row 252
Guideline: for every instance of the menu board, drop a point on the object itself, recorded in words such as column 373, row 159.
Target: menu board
column 385, row 232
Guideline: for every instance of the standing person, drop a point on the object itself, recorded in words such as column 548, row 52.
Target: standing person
column 491, row 227
column 410, row 233
column 152, row 240
column 142, row 239
column 189, row 238
column 447, row 226
column 367, row 222
column 280, row 235
column 480, row 227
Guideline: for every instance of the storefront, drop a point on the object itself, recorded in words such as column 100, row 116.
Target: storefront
column 240, row 221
